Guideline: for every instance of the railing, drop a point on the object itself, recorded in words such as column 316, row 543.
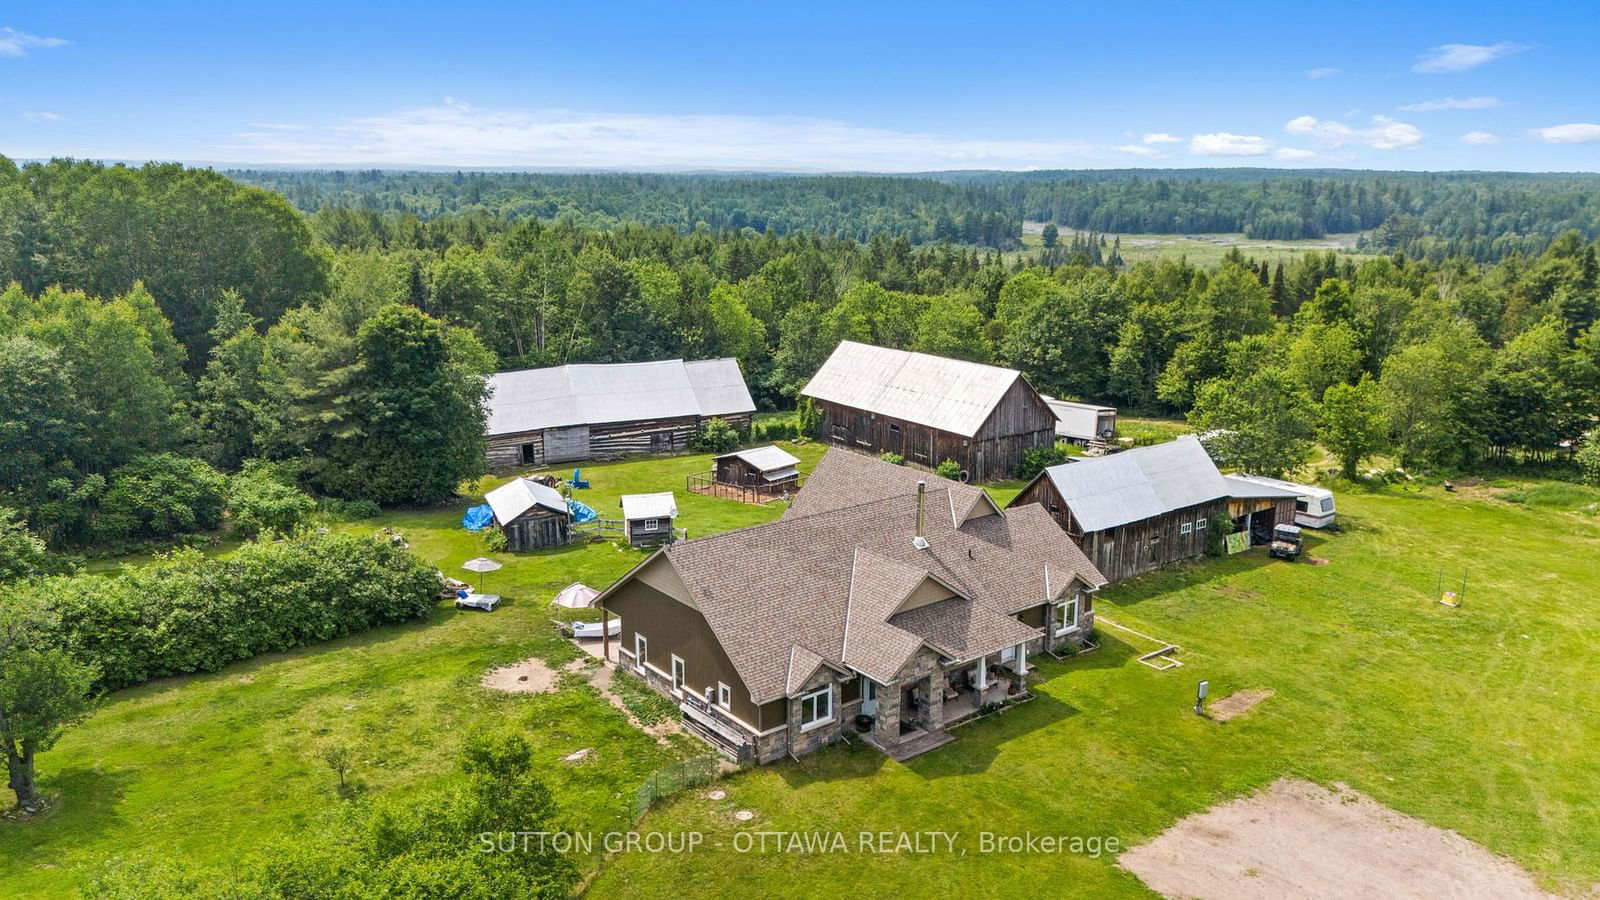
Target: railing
column 708, row 721
column 749, row 493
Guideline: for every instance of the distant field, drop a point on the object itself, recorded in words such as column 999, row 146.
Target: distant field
column 1202, row 249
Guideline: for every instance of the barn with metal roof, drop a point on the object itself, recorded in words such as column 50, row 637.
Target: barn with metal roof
column 929, row 409
column 1137, row 510
column 602, row 411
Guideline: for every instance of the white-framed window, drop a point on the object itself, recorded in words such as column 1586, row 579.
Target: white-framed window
column 1186, row 528
column 677, row 674
column 641, row 650
column 651, row 524
column 724, row 696
column 1067, row 615
column 816, row 708
column 1200, row 524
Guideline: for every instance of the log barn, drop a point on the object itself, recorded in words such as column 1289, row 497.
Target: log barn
column 929, row 409
column 604, row 411
column 530, row 514
column 1135, row 511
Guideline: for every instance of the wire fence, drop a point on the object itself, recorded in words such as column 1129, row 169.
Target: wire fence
column 669, row 780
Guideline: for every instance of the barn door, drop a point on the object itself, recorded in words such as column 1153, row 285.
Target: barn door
column 564, row 444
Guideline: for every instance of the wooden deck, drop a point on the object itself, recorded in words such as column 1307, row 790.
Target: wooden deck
column 915, row 745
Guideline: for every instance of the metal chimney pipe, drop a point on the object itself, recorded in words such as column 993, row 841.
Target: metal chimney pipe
column 921, row 542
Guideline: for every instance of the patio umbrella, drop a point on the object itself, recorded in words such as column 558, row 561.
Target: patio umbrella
column 577, row 596
column 480, row 565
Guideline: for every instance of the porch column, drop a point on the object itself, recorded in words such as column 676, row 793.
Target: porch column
column 1022, row 658
column 983, row 672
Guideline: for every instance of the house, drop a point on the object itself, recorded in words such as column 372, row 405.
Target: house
column 581, row 411
column 929, row 409
column 1083, row 422
column 884, row 599
column 1138, row 510
column 647, row 518
column 765, row 468
column 530, row 514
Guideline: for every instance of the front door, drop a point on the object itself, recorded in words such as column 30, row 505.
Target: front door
column 869, row 697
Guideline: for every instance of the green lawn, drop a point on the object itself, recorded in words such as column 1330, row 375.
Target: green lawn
column 1481, row 720
column 209, row 766
column 1204, row 250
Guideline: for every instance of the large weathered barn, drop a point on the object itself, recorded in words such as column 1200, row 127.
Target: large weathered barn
column 930, row 409
column 1135, row 511
column 598, row 411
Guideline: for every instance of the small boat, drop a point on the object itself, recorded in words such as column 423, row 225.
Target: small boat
column 592, row 629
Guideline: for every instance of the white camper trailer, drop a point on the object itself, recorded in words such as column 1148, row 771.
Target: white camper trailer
column 1083, row 422
column 1313, row 506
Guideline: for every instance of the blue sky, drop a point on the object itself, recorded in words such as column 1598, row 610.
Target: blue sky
column 807, row 87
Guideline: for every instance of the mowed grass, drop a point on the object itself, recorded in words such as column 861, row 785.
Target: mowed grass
column 212, row 768
column 1204, row 250
column 1481, row 719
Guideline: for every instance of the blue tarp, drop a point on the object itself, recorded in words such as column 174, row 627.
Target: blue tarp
column 581, row 512
column 478, row 518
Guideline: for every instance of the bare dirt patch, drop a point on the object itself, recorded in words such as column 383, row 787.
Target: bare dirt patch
column 1296, row 839
column 1236, row 704
column 531, row 676
column 1317, row 560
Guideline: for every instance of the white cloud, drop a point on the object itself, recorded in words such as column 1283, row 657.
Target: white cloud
column 1571, row 133
column 1461, row 57
column 1480, row 137
column 1295, row 153
column 1452, row 103
column 15, row 44
column 455, row 133
column 1222, row 143
column 43, row 116
column 1384, row 133
column 1140, row 150
column 1161, row 137
column 1322, row 72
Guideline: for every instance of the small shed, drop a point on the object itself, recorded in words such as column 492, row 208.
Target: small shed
column 647, row 518
column 1258, row 507
column 760, row 467
column 1083, row 422
column 530, row 514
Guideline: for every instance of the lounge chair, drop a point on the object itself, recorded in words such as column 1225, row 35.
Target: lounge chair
column 468, row 598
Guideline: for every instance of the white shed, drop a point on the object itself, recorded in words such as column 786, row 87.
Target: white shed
column 647, row 518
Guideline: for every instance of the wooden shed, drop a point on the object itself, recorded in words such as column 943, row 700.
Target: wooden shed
column 759, row 467
column 1135, row 511
column 929, row 409
column 581, row 411
column 647, row 518
column 1259, row 507
column 530, row 514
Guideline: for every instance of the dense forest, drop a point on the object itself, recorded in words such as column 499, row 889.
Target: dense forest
column 226, row 351
column 1434, row 216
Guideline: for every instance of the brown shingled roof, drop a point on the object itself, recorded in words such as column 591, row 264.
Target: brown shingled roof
column 843, row 479
column 829, row 584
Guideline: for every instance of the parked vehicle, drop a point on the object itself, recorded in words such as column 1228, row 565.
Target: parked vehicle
column 1286, row 542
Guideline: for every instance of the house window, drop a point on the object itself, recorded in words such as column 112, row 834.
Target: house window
column 641, row 650
column 650, row 524
column 1186, row 528
column 816, row 708
column 677, row 675
column 724, row 696
column 1200, row 524
column 1067, row 615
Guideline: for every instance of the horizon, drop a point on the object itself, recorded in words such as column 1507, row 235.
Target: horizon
column 891, row 90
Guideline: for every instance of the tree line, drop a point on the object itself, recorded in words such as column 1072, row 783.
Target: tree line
column 1483, row 216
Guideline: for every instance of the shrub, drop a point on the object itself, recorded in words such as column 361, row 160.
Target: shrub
column 23, row 554
column 1588, row 459
column 187, row 613
column 353, row 510
column 1218, row 528
column 889, row 456
column 1038, row 459
column 808, row 418
column 715, row 436
column 494, row 539
column 949, row 469
column 161, row 495
column 260, row 503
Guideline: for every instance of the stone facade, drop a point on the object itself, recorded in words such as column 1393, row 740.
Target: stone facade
column 802, row 742
column 923, row 670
